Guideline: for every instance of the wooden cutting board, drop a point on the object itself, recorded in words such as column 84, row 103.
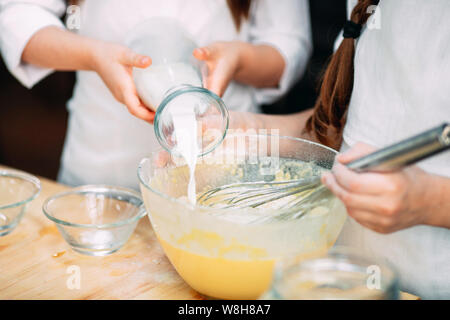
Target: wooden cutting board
column 36, row 263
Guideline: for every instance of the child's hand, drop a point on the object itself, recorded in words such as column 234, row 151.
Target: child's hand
column 222, row 61
column 114, row 63
column 383, row 202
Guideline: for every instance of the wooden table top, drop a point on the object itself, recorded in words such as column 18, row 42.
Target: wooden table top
column 37, row 263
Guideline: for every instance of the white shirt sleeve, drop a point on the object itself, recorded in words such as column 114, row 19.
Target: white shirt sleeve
column 285, row 26
column 19, row 21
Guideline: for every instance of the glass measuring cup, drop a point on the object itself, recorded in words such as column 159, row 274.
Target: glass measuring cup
column 172, row 86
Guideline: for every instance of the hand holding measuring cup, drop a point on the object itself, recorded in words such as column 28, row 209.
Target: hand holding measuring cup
column 222, row 62
column 114, row 64
column 172, row 87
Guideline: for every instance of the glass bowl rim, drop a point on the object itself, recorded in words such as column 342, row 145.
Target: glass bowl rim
column 355, row 257
column 225, row 210
column 24, row 177
column 100, row 188
column 181, row 89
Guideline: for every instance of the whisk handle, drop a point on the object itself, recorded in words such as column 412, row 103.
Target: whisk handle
column 406, row 152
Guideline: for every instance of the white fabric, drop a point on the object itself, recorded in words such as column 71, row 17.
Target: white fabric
column 402, row 85
column 18, row 23
column 104, row 143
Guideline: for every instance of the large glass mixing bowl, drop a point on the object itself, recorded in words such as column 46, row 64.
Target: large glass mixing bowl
column 231, row 253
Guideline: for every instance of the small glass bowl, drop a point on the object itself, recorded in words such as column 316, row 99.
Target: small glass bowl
column 95, row 220
column 341, row 274
column 17, row 189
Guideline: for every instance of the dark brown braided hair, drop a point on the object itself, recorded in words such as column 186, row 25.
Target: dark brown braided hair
column 330, row 111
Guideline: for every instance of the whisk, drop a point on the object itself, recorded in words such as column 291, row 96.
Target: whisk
column 304, row 193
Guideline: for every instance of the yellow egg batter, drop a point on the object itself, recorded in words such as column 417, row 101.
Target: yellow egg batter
column 216, row 274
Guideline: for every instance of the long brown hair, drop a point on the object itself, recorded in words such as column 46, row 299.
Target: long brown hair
column 330, row 111
column 239, row 9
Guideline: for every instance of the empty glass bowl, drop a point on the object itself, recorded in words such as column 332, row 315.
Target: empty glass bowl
column 95, row 220
column 17, row 189
column 342, row 274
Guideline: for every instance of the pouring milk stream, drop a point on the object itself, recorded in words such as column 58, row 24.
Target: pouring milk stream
column 185, row 131
column 152, row 84
column 172, row 87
